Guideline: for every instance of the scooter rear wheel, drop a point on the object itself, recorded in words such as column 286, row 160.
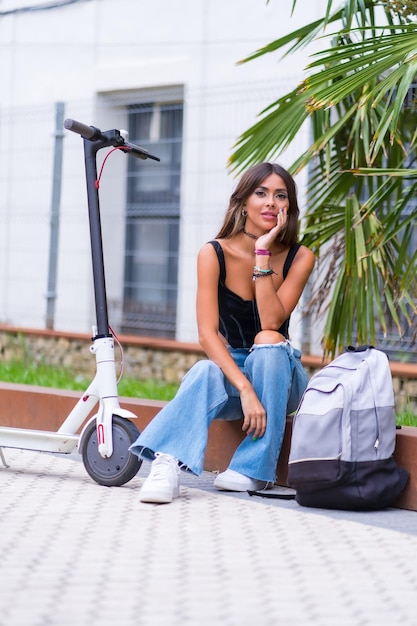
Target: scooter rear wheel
column 122, row 466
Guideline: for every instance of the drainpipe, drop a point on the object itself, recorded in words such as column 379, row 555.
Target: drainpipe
column 55, row 208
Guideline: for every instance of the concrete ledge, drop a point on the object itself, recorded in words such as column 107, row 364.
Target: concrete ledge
column 406, row 457
column 159, row 343
column 43, row 408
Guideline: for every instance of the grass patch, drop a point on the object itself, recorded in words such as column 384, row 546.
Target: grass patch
column 42, row 375
column 406, row 418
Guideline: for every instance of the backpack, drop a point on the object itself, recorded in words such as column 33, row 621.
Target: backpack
column 343, row 438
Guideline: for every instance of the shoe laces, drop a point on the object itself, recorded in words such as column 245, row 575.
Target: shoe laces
column 162, row 464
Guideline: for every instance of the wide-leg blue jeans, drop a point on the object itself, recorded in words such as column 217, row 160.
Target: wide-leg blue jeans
column 181, row 427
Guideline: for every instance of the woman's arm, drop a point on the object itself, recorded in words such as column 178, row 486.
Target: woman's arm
column 208, row 331
column 275, row 307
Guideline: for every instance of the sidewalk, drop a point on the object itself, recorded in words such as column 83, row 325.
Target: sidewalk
column 79, row 554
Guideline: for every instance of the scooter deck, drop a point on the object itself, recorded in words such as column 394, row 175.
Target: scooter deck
column 42, row 440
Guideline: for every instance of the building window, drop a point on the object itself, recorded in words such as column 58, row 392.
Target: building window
column 152, row 221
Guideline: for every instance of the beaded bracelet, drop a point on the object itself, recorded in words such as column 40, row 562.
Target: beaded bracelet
column 263, row 251
column 258, row 273
column 258, row 269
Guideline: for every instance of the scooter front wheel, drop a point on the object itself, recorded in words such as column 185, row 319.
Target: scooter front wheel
column 122, row 465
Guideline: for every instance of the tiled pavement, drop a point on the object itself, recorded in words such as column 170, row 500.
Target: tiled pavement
column 73, row 552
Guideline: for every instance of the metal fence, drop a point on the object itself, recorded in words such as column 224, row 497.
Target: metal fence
column 26, row 219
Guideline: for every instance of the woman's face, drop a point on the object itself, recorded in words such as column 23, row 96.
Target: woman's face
column 265, row 203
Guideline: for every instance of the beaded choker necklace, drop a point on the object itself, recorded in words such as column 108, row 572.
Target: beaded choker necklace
column 251, row 235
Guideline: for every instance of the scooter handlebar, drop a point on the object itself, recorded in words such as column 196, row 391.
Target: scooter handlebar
column 93, row 133
column 88, row 132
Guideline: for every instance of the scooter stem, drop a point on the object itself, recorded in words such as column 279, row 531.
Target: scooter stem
column 90, row 152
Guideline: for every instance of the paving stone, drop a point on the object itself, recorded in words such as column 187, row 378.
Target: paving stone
column 74, row 553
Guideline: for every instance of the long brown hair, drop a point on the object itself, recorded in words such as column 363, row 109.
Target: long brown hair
column 234, row 221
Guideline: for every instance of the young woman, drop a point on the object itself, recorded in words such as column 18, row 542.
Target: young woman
column 250, row 278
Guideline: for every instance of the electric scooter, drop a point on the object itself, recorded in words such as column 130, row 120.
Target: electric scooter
column 105, row 438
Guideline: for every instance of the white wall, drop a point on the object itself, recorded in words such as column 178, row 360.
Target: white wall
column 79, row 53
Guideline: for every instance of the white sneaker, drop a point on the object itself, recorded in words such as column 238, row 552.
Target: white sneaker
column 233, row 481
column 161, row 486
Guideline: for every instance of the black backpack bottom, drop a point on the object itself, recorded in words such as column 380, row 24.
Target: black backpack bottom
column 365, row 486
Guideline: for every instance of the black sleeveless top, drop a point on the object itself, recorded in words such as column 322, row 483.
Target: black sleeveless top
column 238, row 318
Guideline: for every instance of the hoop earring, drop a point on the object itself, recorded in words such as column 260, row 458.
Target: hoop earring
column 244, row 213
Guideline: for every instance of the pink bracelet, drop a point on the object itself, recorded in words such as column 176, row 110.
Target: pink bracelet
column 263, row 252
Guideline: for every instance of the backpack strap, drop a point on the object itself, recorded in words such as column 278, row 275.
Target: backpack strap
column 279, row 496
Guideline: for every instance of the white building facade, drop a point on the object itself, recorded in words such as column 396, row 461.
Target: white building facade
column 169, row 73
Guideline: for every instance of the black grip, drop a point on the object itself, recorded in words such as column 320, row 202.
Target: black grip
column 88, row 132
